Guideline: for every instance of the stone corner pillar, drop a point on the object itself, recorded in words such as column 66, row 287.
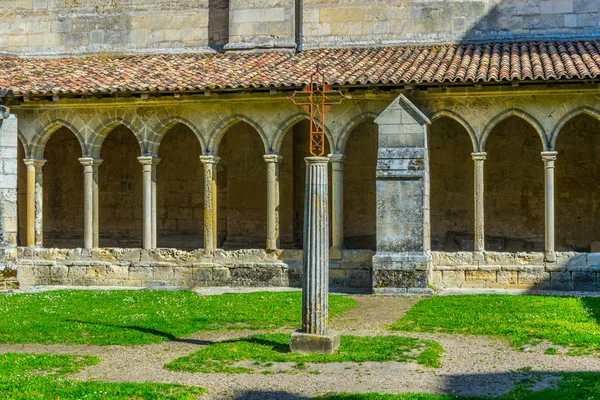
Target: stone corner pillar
column 402, row 261
column 337, row 205
column 8, row 184
column 210, row 202
column 479, row 229
column 549, row 157
column 273, row 161
column 148, row 174
column 315, row 335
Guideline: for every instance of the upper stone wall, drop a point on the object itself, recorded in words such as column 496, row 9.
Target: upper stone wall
column 363, row 22
column 54, row 27
column 90, row 26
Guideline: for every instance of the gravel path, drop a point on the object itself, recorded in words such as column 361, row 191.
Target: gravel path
column 472, row 365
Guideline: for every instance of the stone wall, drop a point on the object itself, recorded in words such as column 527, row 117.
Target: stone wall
column 8, row 179
column 571, row 271
column 170, row 267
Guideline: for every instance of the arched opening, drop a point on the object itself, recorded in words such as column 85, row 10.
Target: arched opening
column 514, row 188
column 577, row 175
column 180, row 190
column 63, row 191
column 292, row 178
column 21, row 196
column 242, row 191
column 360, row 219
column 451, row 186
column 120, row 190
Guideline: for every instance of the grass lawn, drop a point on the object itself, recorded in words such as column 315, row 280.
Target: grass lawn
column 142, row 317
column 573, row 386
column 264, row 350
column 565, row 321
column 29, row 376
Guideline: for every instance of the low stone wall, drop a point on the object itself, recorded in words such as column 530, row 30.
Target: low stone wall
column 170, row 267
column 571, row 271
column 8, row 269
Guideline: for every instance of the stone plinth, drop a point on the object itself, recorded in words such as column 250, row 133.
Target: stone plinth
column 301, row 342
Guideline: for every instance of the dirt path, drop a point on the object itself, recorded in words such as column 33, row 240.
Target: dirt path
column 471, row 365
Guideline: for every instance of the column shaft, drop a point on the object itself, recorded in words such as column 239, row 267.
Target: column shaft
column 210, row 202
column 146, row 162
column 549, row 157
column 272, row 161
column 337, row 204
column 39, row 203
column 155, row 162
column 96, row 205
column 30, row 202
column 479, row 159
column 88, row 201
column 316, row 248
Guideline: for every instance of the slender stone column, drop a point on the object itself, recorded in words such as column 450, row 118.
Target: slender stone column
column 96, row 205
column 337, row 205
column 314, row 336
column 147, row 166
column 39, row 203
column 549, row 157
column 210, row 202
column 479, row 158
column 272, row 161
column 30, row 201
column 155, row 162
column 88, row 201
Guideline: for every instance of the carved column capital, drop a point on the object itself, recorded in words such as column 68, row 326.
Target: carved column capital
column 209, row 159
column 272, row 158
column 479, row 156
column 549, row 155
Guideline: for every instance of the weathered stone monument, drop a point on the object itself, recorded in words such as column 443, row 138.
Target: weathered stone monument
column 315, row 337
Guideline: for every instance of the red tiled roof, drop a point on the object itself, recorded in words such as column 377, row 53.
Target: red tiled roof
column 491, row 62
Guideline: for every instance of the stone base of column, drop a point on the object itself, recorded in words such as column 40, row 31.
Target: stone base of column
column 550, row 256
column 401, row 273
column 335, row 253
column 301, row 342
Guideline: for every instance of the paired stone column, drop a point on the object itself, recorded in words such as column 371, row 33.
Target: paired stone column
column 337, row 205
column 549, row 157
column 314, row 336
column 96, row 204
column 272, row 161
column 210, row 202
column 34, row 201
column 148, row 167
column 155, row 162
column 479, row 245
column 88, row 201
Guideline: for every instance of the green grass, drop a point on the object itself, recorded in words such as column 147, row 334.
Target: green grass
column 572, row 386
column 266, row 349
column 41, row 376
column 565, row 321
column 142, row 317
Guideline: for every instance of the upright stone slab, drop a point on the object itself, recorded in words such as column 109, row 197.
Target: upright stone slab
column 314, row 336
column 402, row 260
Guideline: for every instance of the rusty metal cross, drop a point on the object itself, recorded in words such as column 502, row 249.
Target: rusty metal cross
column 316, row 98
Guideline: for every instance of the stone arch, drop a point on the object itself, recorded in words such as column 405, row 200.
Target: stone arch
column 40, row 139
column 349, row 127
column 584, row 110
column 465, row 124
column 106, row 128
column 25, row 145
column 514, row 112
column 165, row 126
column 288, row 124
column 215, row 140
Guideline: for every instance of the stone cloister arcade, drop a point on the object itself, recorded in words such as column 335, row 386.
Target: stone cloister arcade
column 508, row 182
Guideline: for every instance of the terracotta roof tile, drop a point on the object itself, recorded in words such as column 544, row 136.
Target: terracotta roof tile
column 486, row 62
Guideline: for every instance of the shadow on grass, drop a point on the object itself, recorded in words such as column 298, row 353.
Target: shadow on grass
column 169, row 336
column 275, row 346
column 592, row 306
column 260, row 395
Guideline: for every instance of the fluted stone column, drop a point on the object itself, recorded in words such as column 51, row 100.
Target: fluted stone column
column 314, row 336
column 39, row 203
column 30, row 201
column 549, row 157
column 479, row 245
column 272, row 161
column 147, row 167
column 337, row 205
column 155, row 162
column 88, row 201
column 96, row 205
column 210, row 202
